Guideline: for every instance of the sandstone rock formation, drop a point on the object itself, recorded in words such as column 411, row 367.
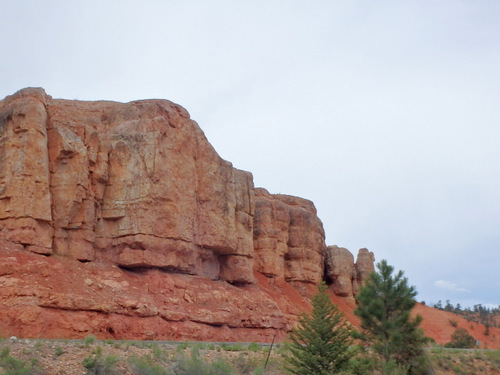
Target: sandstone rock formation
column 345, row 275
column 289, row 239
column 341, row 271
column 135, row 183
column 364, row 265
column 121, row 219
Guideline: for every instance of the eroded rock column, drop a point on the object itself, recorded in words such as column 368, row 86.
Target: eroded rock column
column 25, row 202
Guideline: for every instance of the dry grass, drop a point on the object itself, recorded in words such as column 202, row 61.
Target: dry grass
column 66, row 357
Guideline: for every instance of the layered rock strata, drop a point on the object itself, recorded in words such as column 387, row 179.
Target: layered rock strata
column 121, row 219
column 135, row 183
column 289, row 239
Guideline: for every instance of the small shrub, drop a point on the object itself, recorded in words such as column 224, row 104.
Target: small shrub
column 158, row 352
column 393, row 368
column 459, row 370
column 14, row 366
column 237, row 347
column 89, row 340
column 453, row 322
column 117, row 344
column 59, row 351
column 281, row 348
column 244, row 365
column 145, row 366
column 97, row 364
column 253, row 347
column 196, row 366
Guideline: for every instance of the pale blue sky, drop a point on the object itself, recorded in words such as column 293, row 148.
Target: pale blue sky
column 384, row 113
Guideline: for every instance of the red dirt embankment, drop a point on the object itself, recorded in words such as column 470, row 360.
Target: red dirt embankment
column 439, row 325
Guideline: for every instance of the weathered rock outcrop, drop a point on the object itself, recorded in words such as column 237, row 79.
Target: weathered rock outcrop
column 121, row 219
column 344, row 275
column 289, row 239
column 365, row 265
column 135, row 183
column 340, row 270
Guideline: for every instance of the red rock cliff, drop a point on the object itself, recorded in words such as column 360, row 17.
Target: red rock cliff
column 121, row 220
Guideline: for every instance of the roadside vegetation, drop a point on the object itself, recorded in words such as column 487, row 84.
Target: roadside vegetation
column 46, row 357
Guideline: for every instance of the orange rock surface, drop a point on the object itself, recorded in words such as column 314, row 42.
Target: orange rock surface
column 135, row 183
column 120, row 220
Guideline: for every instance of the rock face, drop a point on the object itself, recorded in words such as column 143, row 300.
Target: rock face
column 135, row 183
column 345, row 275
column 289, row 239
column 364, row 265
column 124, row 213
column 341, row 271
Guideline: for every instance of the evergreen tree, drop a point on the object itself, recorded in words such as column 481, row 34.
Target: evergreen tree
column 461, row 339
column 320, row 343
column 384, row 305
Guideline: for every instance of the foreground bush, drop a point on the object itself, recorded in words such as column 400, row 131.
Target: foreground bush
column 14, row 366
column 461, row 339
column 97, row 364
column 196, row 366
column 146, row 366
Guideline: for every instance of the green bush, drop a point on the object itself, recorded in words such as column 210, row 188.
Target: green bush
column 59, row 351
column 97, row 364
column 245, row 365
column 90, row 339
column 361, row 365
column 253, row 347
column 14, row 366
column 145, row 366
column 237, row 347
column 461, row 339
column 158, row 353
column 196, row 366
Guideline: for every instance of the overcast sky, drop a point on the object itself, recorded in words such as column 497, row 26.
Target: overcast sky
column 385, row 114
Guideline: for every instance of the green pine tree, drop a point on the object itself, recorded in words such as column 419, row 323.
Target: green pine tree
column 385, row 302
column 320, row 342
column 461, row 339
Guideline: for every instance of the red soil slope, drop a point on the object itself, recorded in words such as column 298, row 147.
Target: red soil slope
column 438, row 325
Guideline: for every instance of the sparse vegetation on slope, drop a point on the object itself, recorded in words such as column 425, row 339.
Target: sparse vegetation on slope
column 145, row 358
column 489, row 317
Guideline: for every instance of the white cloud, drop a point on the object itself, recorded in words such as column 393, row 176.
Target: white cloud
column 448, row 285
